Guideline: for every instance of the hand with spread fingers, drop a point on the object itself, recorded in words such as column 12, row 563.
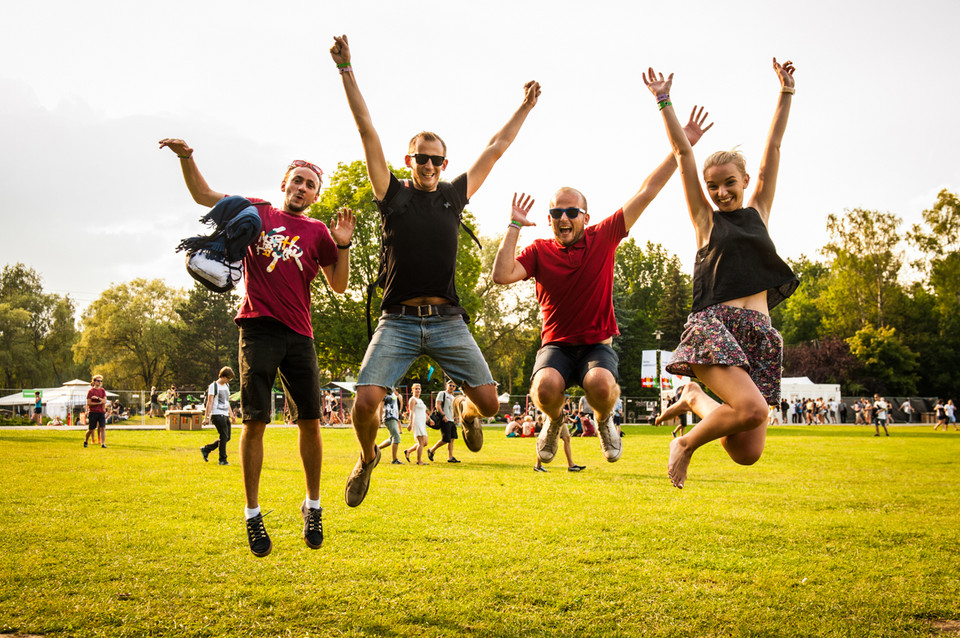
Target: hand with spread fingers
column 521, row 209
column 695, row 128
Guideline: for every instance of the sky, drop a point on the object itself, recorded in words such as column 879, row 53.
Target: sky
column 87, row 89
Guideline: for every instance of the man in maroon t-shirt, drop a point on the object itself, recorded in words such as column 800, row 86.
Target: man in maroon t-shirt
column 96, row 411
column 276, row 333
column 574, row 275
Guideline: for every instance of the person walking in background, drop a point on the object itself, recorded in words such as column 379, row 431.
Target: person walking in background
column 96, row 411
column 417, row 415
column 390, row 417
column 448, row 428
column 881, row 406
column 38, row 408
column 951, row 411
column 219, row 412
column 941, row 411
column 154, row 402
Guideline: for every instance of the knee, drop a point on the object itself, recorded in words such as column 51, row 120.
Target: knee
column 601, row 391
column 746, row 457
column 488, row 406
column 364, row 406
column 752, row 415
column 547, row 388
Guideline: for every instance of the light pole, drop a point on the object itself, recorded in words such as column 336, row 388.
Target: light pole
column 659, row 333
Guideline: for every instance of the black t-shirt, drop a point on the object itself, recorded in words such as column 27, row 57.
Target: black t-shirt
column 420, row 243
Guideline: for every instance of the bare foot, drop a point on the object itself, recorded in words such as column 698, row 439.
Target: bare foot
column 678, row 462
column 685, row 404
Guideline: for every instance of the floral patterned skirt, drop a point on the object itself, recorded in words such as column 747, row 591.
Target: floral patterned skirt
column 727, row 336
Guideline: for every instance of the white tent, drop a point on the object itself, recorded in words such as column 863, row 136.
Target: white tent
column 803, row 388
column 56, row 401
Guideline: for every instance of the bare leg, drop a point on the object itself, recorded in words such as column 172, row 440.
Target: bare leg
column 740, row 422
column 251, row 460
column 602, row 392
column 547, row 391
column 421, row 446
column 568, row 450
column 365, row 420
column 691, row 393
column 311, row 455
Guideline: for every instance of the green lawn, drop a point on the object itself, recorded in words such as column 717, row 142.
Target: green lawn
column 833, row 533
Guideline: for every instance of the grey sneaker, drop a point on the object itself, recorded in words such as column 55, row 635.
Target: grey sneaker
column 312, row 526
column 472, row 433
column 257, row 536
column 359, row 480
column 547, row 440
column 610, row 441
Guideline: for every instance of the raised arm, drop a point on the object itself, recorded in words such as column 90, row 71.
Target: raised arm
column 372, row 148
column 337, row 274
column 506, row 268
column 697, row 203
column 762, row 198
column 199, row 190
column 655, row 182
column 502, row 140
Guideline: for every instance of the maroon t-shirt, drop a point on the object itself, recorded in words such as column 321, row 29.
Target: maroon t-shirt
column 279, row 266
column 575, row 283
column 97, row 392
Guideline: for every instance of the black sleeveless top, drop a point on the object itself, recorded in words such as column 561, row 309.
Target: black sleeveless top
column 740, row 260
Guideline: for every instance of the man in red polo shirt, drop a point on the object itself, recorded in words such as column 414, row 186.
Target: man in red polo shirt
column 574, row 275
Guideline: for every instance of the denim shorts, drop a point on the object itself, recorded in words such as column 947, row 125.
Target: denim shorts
column 393, row 427
column 266, row 347
column 574, row 362
column 400, row 339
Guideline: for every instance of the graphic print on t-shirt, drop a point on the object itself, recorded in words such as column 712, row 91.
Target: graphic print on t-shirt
column 279, row 246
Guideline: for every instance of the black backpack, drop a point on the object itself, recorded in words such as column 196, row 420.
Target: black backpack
column 453, row 200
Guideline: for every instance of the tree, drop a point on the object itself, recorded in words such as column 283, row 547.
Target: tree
column 37, row 331
column 206, row 337
column 128, row 333
column 866, row 262
column 889, row 367
column 826, row 360
column 798, row 317
column 506, row 324
column 650, row 292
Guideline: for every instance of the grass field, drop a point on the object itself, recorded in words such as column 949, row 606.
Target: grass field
column 833, row 533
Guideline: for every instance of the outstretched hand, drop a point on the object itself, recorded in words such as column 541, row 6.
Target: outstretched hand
column 177, row 146
column 695, row 128
column 343, row 226
column 521, row 209
column 531, row 91
column 785, row 73
column 340, row 51
column 655, row 82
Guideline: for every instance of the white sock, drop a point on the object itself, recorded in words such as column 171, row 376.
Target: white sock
column 311, row 504
column 250, row 513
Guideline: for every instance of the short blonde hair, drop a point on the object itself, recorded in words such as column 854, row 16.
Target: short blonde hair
column 428, row 136
column 720, row 158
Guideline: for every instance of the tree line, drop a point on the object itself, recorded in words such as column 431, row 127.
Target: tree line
column 853, row 320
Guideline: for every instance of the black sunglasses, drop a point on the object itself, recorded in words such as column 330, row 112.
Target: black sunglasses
column 423, row 157
column 571, row 212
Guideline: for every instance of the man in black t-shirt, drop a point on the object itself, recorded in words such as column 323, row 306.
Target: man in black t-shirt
column 421, row 309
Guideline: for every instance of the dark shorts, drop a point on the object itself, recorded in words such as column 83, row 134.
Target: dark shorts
column 448, row 431
column 573, row 362
column 267, row 347
column 727, row 336
column 38, row 410
column 96, row 420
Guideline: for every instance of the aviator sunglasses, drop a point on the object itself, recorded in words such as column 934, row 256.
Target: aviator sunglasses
column 423, row 157
column 571, row 212
column 302, row 163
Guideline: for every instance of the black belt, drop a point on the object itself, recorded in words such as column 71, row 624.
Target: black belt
column 423, row 311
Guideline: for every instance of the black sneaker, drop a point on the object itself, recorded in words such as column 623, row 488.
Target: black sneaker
column 430, row 454
column 204, row 453
column 539, row 469
column 576, row 468
column 257, row 536
column 103, row 445
column 396, row 462
column 452, row 459
column 84, row 444
column 312, row 526
column 223, row 462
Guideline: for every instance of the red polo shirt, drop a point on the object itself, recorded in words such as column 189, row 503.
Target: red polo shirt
column 575, row 283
